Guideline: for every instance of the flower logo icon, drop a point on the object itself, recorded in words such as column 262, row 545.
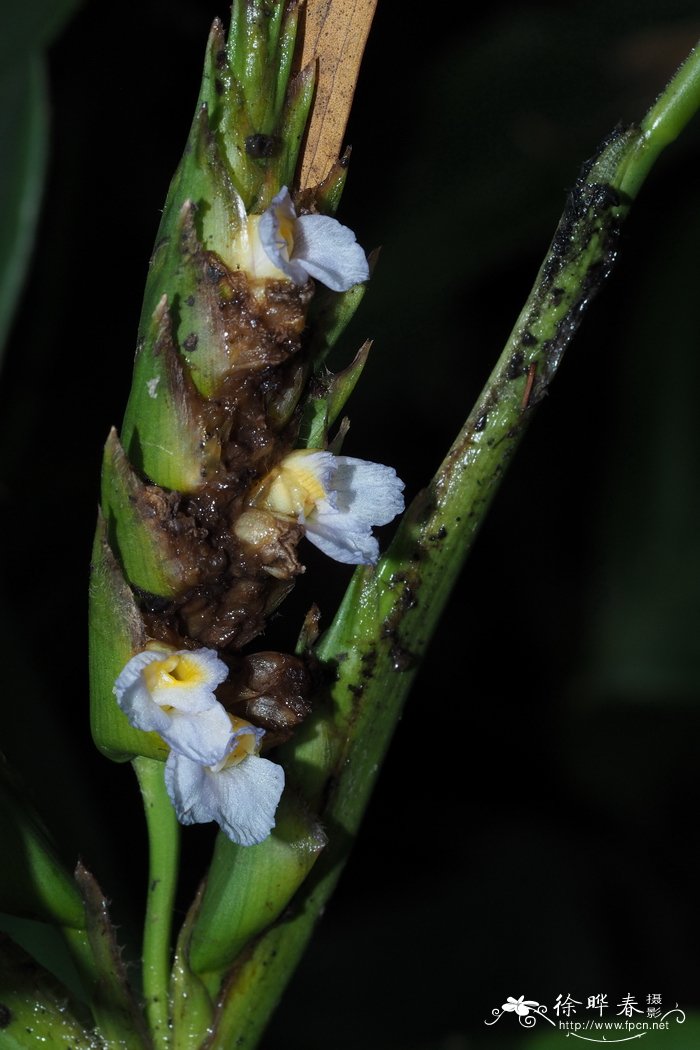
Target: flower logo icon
column 520, row 1006
column 528, row 1011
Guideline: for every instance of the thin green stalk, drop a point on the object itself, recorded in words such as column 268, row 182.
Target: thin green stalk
column 388, row 615
column 675, row 106
column 164, row 845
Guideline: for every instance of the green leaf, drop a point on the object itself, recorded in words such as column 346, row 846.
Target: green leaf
column 248, row 887
column 26, row 28
column 33, row 882
column 23, row 133
column 35, row 1007
column 116, row 1012
column 48, row 946
column 192, row 1006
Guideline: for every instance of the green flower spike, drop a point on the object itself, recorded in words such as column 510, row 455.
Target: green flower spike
column 222, row 374
column 206, row 495
column 189, row 553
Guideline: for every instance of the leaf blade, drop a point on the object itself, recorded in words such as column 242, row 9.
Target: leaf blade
column 24, row 134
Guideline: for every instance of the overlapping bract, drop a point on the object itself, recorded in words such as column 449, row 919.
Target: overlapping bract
column 203, row 503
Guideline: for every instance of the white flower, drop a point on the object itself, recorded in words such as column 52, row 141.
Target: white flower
column 281, row 244
column 171, row 692
column 336, row 498
column 241, row 792
column 520, row 1006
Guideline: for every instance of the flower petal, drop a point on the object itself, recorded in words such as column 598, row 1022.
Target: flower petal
column 336, row 498
column 242, row 799
column 279, row 217
column 372, row 492
column 361, row 494
column 342, row 537
column 185, row 711
column 328, row 251
column 320, row 463
column 203, row 737
column 311, row 246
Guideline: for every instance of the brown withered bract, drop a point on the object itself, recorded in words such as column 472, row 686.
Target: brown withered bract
column 240, row 326
column 271, row 690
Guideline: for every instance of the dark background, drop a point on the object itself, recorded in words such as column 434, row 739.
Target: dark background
column 534, row 828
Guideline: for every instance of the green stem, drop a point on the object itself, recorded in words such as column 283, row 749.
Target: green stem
column 388, row 616
column 164, row 843
column 663, row 123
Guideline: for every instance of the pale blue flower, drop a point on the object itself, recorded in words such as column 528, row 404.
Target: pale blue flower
column 306, row 246
column 337, row 499
column 171, row 692
column 241, row 792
